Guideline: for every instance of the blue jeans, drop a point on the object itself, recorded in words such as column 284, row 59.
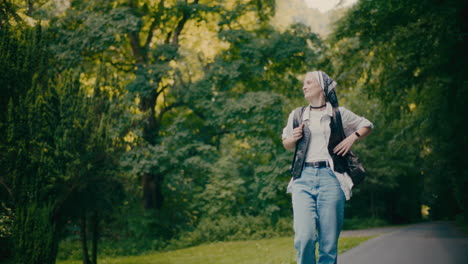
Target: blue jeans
column 318, row 203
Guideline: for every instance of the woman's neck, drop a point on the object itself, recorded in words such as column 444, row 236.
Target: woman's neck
column 316, row 102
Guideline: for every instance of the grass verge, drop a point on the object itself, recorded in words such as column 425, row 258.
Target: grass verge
column 272, row 251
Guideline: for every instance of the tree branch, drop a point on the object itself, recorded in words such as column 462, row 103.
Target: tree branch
column 167, row 108
column 180, row 27
column 121, row 65
column 155, row 24
column 138, row 52
column 153, row 27
column 136, row 48
column 160, row 91
column 8, row 189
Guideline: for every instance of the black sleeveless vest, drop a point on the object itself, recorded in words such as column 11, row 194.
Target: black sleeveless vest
column 336, row 136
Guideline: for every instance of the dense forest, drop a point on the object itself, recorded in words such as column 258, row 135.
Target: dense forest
column 153, row 124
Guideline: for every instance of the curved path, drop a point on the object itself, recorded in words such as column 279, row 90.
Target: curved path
column 425, row 243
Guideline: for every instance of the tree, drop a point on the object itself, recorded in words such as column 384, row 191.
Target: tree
column 239, row 108
column 145, row 44
column 410, row 57
column 59, row 146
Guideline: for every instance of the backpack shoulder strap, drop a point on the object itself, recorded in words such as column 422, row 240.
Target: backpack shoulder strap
column 338, row 122
column 298, row 112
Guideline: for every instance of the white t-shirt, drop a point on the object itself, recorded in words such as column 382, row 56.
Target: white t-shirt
column 318, row 147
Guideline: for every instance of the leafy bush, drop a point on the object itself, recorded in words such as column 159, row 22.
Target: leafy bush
column 224, row 228
column 70, row 249
column 227, row 228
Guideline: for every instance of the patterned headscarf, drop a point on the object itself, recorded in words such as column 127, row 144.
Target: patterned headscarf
column 328, row 85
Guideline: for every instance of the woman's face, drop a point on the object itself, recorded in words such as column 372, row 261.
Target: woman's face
column 311, row 87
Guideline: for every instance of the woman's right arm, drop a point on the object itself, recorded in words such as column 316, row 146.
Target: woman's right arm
column 291, row 136
column 290, row 142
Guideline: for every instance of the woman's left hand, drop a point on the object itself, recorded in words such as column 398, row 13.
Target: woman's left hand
column 345, row 145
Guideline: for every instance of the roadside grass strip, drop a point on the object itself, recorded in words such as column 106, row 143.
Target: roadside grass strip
column 266, row 251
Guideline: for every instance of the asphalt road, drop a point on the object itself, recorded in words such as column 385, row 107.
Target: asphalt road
column 425, row 243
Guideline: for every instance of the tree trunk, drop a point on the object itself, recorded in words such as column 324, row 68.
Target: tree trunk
column 152, row 191
column 30, row 9
column 95, row 232
column 372, row 205
column 84, row 239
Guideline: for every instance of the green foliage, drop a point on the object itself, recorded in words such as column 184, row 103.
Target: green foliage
column 84, row 33
column 70, row 248
column 191, row 97
column 265, row 59
column 229, row 228
column 6, row 231
column 363, row 223
column 58, row 154
column 27, row 156
column 225, row 191
column 35, row 234
column 462, row 223
column 408, row 57
column 227, row 138
column 6, row 221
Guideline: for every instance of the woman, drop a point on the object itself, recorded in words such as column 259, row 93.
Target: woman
column 319, row 193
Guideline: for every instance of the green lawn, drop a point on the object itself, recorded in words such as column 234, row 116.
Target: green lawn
column 271, row 251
